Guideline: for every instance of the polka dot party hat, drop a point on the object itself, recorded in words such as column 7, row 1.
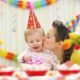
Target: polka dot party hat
column 32, row 21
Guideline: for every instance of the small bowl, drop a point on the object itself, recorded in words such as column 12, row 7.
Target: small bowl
column 9, row 73
column 30, row 70
column 67, row 72
column 36, row 73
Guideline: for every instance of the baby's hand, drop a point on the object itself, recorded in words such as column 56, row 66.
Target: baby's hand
column 27, row 59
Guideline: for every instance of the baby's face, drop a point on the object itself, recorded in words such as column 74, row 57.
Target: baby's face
column 35, row 42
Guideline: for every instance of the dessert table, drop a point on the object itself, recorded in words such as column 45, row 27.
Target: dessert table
column 66, row 71
column 50, row 75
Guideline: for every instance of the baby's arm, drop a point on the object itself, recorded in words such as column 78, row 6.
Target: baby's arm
column 21, row 57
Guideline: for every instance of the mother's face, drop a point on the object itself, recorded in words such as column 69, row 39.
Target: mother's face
column 50, row 40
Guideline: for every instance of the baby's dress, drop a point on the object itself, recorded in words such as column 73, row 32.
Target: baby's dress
column 45, row 58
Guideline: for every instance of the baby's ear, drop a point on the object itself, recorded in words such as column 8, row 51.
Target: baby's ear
column 60, row 43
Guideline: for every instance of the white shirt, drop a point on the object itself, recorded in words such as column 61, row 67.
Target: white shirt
column 46, row 56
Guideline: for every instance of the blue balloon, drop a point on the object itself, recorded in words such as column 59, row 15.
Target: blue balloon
column 15, row 2
column 43, row 3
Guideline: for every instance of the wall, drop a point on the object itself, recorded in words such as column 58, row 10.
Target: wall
column 13, row 21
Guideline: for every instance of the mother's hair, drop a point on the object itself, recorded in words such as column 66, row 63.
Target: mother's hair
column 62, row 33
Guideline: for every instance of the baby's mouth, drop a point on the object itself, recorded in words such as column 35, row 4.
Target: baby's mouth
column 36, row 47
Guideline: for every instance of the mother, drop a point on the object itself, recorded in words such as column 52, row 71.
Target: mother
column 54, row 41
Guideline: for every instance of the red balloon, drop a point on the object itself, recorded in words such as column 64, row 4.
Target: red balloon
column 10, row 56
column 48, row 2
column 77, row 47
column 20, row 3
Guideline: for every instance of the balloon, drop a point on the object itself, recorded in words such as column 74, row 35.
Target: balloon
column 10, row 56
column 15, row 2
column 28, row 5
column 67, row 44
column 11, row 1
column 20, row 4
column 77, row 47
column 4, row 1
column 73, row 36
column 53, row 1
column 48, row 2
column 75, row 57
column 38, row 4
column 43, row 3
column 24, row 5
column 15, row 58
column 3, row 53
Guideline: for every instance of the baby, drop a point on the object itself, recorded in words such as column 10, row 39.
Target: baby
column 35, row 54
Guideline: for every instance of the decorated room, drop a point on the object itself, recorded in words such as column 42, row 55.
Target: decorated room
column 39, row 39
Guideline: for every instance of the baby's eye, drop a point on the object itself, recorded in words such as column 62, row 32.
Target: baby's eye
column 31, row 42
column 38, row 40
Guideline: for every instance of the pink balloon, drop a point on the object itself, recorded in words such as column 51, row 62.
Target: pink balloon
column 4, row 0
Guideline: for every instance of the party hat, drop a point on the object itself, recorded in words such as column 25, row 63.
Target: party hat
column 32, row 21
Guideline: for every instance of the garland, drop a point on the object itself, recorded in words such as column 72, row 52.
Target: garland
column 27, row 4
column 7, row 55
column 73, row 23
column 73, row 39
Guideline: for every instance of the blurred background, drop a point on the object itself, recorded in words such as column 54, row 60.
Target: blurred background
column 13, row 21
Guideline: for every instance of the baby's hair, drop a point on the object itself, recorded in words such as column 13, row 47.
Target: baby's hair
column 30, row 32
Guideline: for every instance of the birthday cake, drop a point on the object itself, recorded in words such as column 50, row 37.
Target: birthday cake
column 36, row 64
